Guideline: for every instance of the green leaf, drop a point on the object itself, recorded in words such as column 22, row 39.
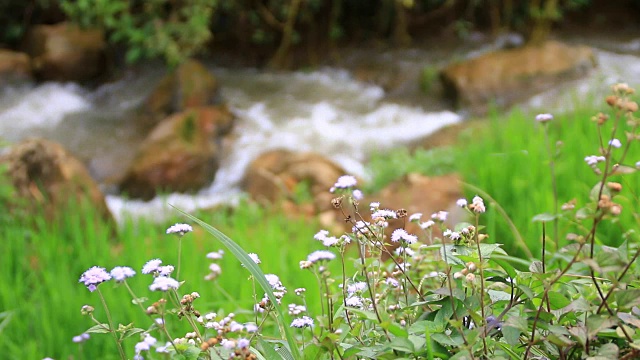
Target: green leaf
column 511, row 335
column 257, row 274
column 495, row 295
column 487, row 249
column 268, row 350
column 595, row 190
column 557, row 300
column 131, row 332
column 395, row 329
column 560, row 340
column 449, row 340
column 623, row 170
column 605, row 352
column 6, row 318
column 369, row 315
column 536, row 267
column 627, row 299
column 629, row 319
column 402, row 344
column 597, row 323
column 544, row 217
column 192, row 353
column 99, row 329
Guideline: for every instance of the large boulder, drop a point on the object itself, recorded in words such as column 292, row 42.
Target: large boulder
column 277, row 174
column 14, row 66
column 188, row 86
column 422, row 194
column 181, row 154
column 418, row 193
column 64, row 52
column 506, row 76
column 46, row 176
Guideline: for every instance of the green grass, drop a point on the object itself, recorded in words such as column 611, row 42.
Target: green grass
column 510, row 163
column 40, row 270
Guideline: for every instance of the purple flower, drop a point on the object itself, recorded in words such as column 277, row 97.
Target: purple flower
column 179, row 229
column 93, row 277
column 151, row 266
column 120, row 273
column 302, row 322
column 164, row 283
column 80, row 338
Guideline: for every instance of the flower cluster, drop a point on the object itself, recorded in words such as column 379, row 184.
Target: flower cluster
column 214, row 268
column 179, row 229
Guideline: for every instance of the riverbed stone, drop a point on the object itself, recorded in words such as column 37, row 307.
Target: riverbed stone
column 65, row 52
column 181, row 154
column 506, row 76
column 277, row 175
column 45, row 176
column 189, row 85
column 14, row 67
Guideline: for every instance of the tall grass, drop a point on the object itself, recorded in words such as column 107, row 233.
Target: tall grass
column 41, row 265
column 509, row 161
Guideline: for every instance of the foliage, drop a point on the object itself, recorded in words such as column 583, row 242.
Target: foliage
column 15, row 17
column 174, row 31
column 177, row 30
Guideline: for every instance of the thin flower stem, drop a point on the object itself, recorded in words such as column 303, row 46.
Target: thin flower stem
column 544, row 249
column 452, row 299
column 329, row 303
column 135, row 298
column 554, row 185
column 179, row 257
column 166, row 332
column 344, row 289
column 545, row 295
column 480, row 267
column 112, row 330
column 371, row 291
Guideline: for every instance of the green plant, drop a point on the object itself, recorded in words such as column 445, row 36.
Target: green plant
column 174, row 31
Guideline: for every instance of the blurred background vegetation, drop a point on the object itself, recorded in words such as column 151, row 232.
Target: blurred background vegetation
column 274, row 32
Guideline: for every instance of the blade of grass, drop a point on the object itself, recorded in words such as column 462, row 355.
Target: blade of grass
column 256, row 272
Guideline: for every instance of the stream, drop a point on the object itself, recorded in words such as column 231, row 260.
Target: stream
column 326, row 111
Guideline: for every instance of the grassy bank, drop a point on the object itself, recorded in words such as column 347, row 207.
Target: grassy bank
column 40, row 296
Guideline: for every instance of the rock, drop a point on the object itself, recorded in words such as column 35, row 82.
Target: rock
column 181, row 154
column 422, row 194
column 275, row 175
column 506, row 76
column 47, row 176
column 190, row 85
column 64, row 52
column 449, row 136
column 14, row 66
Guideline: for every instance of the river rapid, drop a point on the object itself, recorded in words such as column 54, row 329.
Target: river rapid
column 327, row 111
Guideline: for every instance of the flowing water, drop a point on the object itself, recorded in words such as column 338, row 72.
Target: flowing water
column 326, row 111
